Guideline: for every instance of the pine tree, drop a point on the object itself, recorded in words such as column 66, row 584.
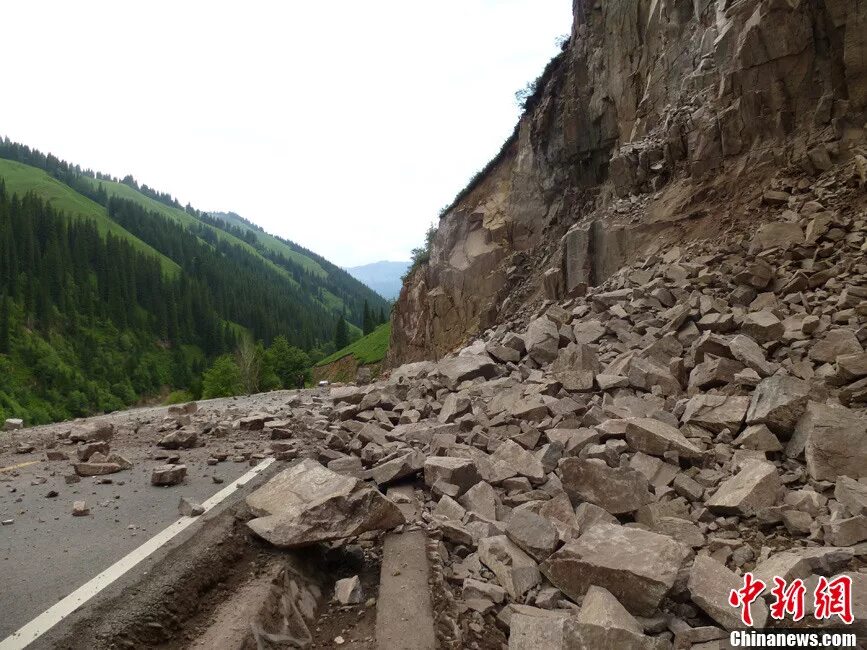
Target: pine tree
column 4, row 325
column 381, row 315
column 341, row 334
column 368, row 324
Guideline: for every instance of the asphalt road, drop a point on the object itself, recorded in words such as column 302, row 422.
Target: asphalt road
column 46, row 553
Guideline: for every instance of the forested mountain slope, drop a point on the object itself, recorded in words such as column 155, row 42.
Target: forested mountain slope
column 111, row 291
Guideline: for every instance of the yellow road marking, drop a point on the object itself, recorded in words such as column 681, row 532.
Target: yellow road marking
column 18, row 466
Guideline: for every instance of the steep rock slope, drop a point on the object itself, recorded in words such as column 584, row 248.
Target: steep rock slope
column 661, row 121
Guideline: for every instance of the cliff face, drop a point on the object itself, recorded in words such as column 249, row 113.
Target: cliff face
column 654, row 125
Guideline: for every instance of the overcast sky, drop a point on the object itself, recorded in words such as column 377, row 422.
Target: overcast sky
column 342, row 125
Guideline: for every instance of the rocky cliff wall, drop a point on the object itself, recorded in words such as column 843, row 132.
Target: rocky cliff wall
column 660, row 121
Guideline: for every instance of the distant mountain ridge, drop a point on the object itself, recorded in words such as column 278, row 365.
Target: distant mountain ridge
column 383, row 277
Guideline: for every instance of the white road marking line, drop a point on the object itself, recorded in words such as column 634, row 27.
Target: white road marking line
column 53, row 615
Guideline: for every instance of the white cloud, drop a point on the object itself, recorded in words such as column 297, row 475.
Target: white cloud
column 342, row 125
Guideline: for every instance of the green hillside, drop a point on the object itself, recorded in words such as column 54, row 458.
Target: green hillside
column 366, row 350
column 21, row 179
column 112, row 293
column 270, row 242
column 123, row 191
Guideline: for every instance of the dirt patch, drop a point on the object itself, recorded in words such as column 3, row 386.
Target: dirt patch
column 344, row 369
column 226, row 588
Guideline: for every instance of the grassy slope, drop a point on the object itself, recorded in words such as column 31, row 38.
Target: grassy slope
column 275, row 245
column 126, row 192
column 122, row 191
column 368, row 349
column 21, row 179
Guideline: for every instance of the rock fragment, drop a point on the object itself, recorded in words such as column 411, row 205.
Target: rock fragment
column 309, row 503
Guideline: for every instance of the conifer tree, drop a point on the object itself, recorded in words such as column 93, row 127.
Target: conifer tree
column 368, row 323
column 341, row 334
column 4, row 325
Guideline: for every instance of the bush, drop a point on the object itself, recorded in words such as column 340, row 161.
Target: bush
column 222, row 379
column 178, row 397
column 421, row 255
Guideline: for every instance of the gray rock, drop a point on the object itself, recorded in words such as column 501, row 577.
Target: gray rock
column 180, row 439
column 846, row 532
column 575, row 367
column 751, row 354
column 657, row 438
column 835, row 343
column 463, row 368
column 763, row 326
column 96, row 469
column 716, row 412
column 802, row 562
column 616, row 490
column 851, row 367
column 189, row 508
column 852, row 494
column 834, row 440
column 637, row 566
column 542, row 340
column 758, row 437
column 515, row 570
column 778, row 402
column 348, row 591
column 481, row 499
column 398, row 468
column 92, row 431
column 309, row 503
column 604, row 623
column 461, row 472
column 533, row 533
column 756, row 486
column 168, row 474
column 530, row 631
column 13, row 424
column 87, row 449
column 454, row 406
column 710, row 584
column 513, row 456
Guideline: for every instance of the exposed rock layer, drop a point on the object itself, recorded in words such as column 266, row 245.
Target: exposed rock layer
column 646, row 129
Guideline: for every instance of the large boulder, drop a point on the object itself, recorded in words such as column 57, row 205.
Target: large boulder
column 656, row 438
column 756, row 486
column 778, row 402
column 604, row 622
column 398, row 468
column 513, row 457
column 710, row 584
column 542, row 340
column 462, row 368
column 617, row 490
column 309, row 503
column 576, row 367
column 834, row 441
column 515, row 570
column 98, row 430
column 638, row 567
column 461, row 472
column 717, row 412
column 180, row 439
column 835, row 343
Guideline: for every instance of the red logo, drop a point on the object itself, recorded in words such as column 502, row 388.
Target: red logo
column 745, row 597
column 834, row 598
column 831, row 598
column 788, row 600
